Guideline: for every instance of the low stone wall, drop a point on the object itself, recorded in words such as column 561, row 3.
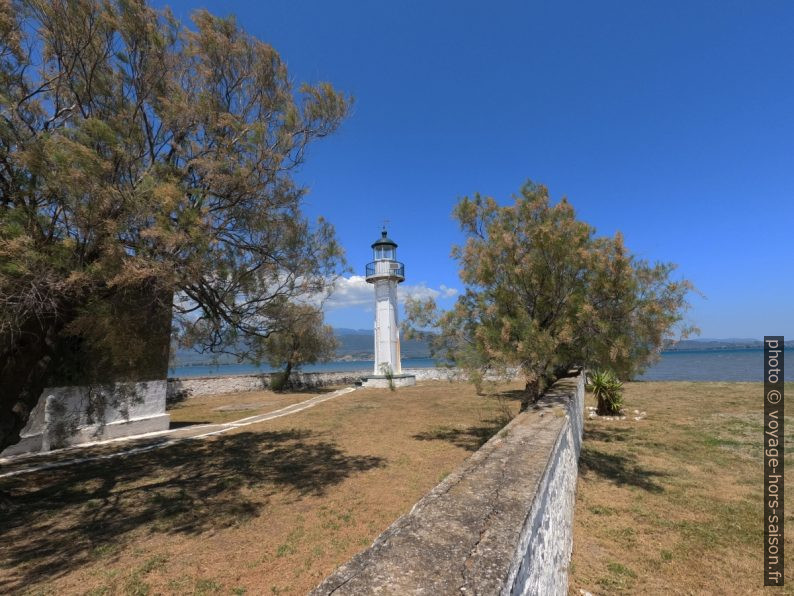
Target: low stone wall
column 188, row 387
column 436, row 374
column 500, row 524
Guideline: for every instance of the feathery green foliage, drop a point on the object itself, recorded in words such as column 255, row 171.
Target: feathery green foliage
column 543, row 294
column 302, row 338
column 142, row 158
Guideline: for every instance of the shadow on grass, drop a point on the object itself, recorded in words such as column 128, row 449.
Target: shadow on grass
column 183, row 423
column 311, row 389
column 512, row 395
column 471, row 438
column 66, row 517
column 611, row 435
column 620, row 469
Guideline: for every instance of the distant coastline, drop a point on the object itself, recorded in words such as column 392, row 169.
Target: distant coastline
column 355, row 346
column 717, row 344
column 717, row 364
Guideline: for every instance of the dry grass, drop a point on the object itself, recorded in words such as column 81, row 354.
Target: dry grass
column 268, row 509
column 672, row 504
column 226, row 407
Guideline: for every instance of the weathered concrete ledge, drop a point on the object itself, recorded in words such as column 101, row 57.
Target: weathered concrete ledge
column 500, row 524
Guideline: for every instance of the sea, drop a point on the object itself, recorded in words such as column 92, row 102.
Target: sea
column 744, row 364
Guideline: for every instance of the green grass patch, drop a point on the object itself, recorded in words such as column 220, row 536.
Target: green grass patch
column 670, row 502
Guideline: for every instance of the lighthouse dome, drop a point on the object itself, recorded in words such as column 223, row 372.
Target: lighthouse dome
column 384, row 240
column 384, row 248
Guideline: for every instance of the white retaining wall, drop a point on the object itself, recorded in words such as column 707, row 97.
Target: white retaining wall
column 63, row 415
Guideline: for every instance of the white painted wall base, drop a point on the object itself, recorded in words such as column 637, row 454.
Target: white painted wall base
column 382, row 381
column 131, row 409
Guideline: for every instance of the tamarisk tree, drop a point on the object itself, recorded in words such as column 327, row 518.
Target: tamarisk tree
column 543, row 294
column 146, row 169
column 302, row 338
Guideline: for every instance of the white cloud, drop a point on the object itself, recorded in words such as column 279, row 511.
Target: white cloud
column 420, row 292
column 355, row 291
column 350, row 291
column 447, row 292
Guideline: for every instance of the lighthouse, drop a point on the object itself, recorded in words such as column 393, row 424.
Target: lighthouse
column 385, row 272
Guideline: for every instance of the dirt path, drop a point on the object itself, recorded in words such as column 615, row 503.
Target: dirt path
column 23, row 464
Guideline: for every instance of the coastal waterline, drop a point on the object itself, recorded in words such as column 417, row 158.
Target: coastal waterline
column 365, row 366
column 683, row 365
column 713, row 365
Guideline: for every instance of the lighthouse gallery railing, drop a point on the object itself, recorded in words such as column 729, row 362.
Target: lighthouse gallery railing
column 385, row 268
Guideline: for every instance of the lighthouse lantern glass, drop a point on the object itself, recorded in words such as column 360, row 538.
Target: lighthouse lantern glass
column 385, row 253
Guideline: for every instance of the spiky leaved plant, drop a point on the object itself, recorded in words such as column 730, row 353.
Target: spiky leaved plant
column 386, row 371
column 608, row 391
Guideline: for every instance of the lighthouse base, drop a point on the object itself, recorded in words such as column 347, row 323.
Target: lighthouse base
column 382, row 381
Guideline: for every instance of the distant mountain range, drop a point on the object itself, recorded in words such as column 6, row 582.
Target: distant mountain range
column 354, row 344
column 707, row 343
column 358, row 344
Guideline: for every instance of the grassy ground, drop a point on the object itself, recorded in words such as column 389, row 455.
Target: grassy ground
column 672, row 504
column 267, row 509
column 227, row 407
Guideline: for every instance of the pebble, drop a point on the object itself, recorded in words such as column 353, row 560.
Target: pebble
column 593, row 414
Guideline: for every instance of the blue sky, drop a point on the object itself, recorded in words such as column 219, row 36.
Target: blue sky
column 672, row 122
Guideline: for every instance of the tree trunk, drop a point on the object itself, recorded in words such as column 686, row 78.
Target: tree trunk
column 285, row 376
column 531, row 393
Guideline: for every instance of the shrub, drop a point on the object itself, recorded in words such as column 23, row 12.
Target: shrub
column 608, row 391
column 278, row 381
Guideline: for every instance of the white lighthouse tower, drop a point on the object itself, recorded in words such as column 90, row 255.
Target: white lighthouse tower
column 385, row 272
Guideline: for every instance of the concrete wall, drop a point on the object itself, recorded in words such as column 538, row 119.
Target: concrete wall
column 70, row 415
column 194, row 387
column 500, row 524
column 197, row 386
